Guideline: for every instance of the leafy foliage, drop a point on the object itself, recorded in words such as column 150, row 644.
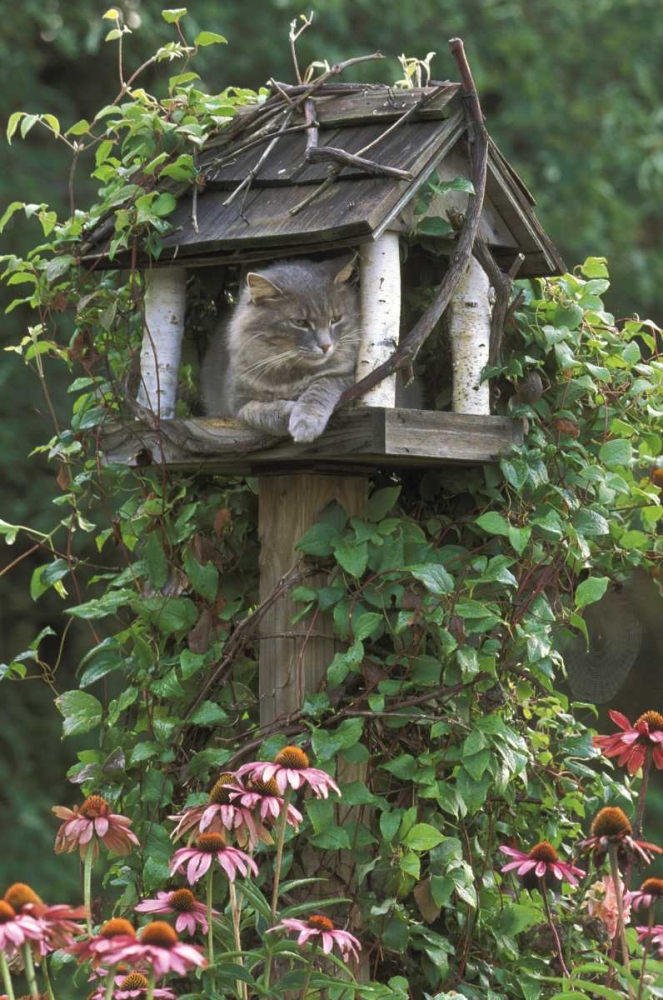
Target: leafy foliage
column 450, row 598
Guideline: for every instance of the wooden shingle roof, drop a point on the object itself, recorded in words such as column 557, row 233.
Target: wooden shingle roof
column 265, row 219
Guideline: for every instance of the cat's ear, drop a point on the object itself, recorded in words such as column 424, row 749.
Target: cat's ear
column 346, row 267
column 261, row 287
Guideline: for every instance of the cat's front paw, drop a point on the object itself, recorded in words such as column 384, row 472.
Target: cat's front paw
column 306, row 425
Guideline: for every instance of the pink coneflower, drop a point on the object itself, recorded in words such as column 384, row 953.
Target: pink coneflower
column 653, row 935
column 114, row 936
column 198, row 859
column 631, row 745
column 611, row 825
column 649, row 892
column 601, row 903
column 160, row 950
column 60, row 921
column 17, row 928
column 290, row 768
column 91, row 822
column 263, row 796
column 322, row 927
column 190, row 912
column 220, row 814
column 542, row 862
column 135, row 984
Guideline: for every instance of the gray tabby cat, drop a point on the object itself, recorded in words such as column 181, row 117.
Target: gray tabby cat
column 289, row 351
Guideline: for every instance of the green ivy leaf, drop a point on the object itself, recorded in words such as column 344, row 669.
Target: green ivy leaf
column 616, row 452
column 209, row 38
column 381, row 502
column 351, row 557
column 591, row 590
column 82, row 712
column 493, row 523
column 423, row 837
column 434, row 577
column 434, row 226
column 173, row 15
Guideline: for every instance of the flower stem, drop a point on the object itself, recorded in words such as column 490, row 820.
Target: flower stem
column 646, row 767
column 30, row 974
column 210, row 924
column 280, row 840
column 551, row 923
column 309, row 973
column 43, row 965
column 621, row 929
column 150, row 985
column 235, row 911
column 110, row 983
column 6, row 976
column 645, row 950
column 87, row 886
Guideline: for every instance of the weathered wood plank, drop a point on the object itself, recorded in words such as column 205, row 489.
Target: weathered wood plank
column 385, row 105
column 365, row 436
column 287, row 163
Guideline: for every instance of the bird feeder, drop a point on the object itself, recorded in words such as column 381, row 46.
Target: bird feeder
column 313, row 172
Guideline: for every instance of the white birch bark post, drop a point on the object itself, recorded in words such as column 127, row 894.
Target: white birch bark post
column 165, row 300
column 469, row 331
column 380, row 272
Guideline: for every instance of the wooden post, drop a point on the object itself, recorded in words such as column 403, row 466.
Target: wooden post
column 294, row 658
column 380, row 273
column 165, row 301
column 469, row 331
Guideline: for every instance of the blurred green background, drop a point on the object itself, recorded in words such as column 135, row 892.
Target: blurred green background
column 572, row 92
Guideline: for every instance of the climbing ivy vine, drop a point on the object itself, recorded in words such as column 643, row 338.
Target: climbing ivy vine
column 450, row 599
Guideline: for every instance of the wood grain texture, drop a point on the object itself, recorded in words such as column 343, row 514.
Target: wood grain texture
column 292, row 666
column 360, row 437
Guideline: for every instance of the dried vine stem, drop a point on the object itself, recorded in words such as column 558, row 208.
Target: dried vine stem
column 502, row 282
column 322, row 154
column 407, row 351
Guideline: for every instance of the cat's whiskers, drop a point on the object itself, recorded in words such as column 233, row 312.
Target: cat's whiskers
column 270, row 363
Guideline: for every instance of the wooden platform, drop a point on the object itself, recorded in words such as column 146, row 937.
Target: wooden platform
column 365, row 436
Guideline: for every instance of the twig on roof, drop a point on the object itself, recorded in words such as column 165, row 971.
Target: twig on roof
column 246, row 183
column 411, row 111
column 408, row 349
column 322, row 154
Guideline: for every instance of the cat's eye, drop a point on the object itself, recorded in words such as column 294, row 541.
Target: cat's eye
column 301, row 323
column 336, row 319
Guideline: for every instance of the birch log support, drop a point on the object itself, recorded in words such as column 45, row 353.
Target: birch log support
column 165, row 300
column 380, row 272
column 469, row 331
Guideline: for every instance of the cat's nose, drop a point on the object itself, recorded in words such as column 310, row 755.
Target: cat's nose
column 324, row 348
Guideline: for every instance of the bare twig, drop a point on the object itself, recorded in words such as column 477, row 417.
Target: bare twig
column 246, row 628
column 316, row 192
column 502, row 283
column 409, row 348
column 322, row 154
column 293, row 36
column 246, row 183
column 410, row 113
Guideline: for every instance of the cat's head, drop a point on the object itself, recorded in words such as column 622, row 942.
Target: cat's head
column 304, row 306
